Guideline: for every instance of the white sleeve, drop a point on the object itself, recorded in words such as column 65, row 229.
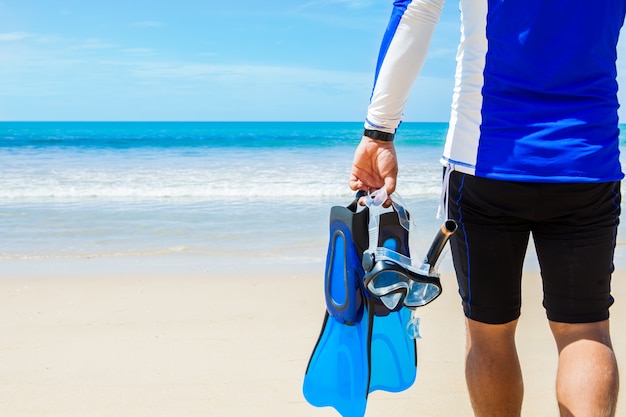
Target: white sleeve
column 401, row 58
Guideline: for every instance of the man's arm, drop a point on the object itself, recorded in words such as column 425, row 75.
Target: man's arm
column 401, row 57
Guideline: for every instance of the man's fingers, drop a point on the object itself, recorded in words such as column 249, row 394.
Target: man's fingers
column 364, row 182
column 374, row 166
column 390, row 184
column 356, row 183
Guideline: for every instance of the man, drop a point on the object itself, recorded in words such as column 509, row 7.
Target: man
column 532, row 149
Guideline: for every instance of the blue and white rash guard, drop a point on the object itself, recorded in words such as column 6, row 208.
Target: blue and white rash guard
column 535, row 95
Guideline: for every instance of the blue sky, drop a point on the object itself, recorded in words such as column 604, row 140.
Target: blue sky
column 207, row 60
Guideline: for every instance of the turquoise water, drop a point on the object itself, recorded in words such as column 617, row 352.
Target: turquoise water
column 119, row 189
column 88, row 190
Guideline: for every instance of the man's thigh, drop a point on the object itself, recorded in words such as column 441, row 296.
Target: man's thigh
column 488, row 248
column 575, row 241
column 574, row 227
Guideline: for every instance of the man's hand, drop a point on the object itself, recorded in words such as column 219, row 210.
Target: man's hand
column 375, row 166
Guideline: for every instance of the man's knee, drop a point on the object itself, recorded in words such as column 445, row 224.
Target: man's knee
column 568, row 333
column 490, row 336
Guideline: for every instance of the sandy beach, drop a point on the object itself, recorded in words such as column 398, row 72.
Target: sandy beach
column 83, row 338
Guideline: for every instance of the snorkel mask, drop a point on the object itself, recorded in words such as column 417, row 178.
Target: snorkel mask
column 393, row 277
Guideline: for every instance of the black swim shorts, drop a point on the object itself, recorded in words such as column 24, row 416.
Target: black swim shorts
column 573, row 225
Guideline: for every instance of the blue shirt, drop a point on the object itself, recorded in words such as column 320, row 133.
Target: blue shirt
column 535, row 97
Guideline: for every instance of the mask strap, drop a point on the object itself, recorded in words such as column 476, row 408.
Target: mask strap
column 374, row 202
column 443, row 199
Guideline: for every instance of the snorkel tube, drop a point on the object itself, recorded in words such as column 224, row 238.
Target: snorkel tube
column 441, row 238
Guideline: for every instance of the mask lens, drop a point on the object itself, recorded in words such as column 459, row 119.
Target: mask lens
column 391, row 301
column 386, row 282
column 421, row 293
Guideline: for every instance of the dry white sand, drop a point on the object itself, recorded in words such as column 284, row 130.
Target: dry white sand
column 92, row 342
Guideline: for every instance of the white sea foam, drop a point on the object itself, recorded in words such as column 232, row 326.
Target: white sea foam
column 89, row 175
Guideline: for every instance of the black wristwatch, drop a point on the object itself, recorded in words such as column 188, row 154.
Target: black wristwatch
column 378, row 135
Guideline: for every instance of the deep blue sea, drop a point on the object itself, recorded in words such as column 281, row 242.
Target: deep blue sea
column 263, row 190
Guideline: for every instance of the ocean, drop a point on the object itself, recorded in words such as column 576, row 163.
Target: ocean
column 217, row 190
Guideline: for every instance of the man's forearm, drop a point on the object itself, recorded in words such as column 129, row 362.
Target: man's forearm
column 401, row 58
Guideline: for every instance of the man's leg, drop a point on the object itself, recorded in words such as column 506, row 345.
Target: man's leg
column 488, row 252
column 492, row 369
column 587, row 380
column 575, row 245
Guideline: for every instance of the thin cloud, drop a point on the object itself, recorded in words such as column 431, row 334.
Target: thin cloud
column 334, row 13
column 139, row 51
column 14, row 36
column 94, row 43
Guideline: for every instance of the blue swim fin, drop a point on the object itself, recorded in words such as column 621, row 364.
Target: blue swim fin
column 338, row 371
column 393, row 355
column 362, row 346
